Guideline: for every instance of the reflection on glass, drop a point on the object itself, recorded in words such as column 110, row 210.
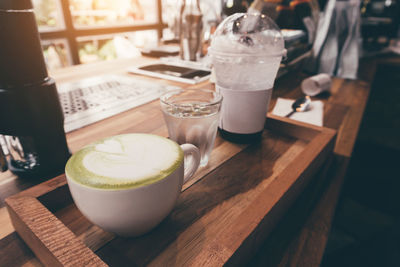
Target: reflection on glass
column 56, row 53
column 89, row 13
column 170, row 11
column 108, row 47
column 210, row 9
column 48, row 14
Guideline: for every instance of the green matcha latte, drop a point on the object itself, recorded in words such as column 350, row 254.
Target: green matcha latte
column 124, row 161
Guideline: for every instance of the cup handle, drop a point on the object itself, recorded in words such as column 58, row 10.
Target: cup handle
column 191, row 160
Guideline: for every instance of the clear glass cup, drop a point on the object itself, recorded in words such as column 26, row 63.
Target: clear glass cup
column 192, row 116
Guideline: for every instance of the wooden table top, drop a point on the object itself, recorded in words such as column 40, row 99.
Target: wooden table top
column 343, row 111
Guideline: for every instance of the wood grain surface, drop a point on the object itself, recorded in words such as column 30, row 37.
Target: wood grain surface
column 342, row 116
column 216, row 216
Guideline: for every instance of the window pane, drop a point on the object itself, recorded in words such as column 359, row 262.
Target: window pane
column 48, row 14
column 56, row 53
column 92, row 13
column 108, row 47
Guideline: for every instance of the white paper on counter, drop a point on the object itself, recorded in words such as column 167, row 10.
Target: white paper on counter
column 313, row 116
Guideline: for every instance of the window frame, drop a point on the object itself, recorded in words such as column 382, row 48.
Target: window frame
column 71, row 34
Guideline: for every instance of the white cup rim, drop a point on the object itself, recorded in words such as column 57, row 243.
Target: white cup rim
column 127, row 185
column 133, row 188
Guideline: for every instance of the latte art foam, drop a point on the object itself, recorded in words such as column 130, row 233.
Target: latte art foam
column 125, row 161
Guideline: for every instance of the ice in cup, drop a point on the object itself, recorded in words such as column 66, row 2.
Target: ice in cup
column 246, row 51
column 192, row 116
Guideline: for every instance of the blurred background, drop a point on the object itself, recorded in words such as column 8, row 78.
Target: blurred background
column 84, row 31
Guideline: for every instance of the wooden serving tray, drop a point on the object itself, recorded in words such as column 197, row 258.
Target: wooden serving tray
column 219, row 219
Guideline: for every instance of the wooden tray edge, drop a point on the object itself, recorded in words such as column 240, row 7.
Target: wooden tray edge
column 39, row 228
column 42, row 245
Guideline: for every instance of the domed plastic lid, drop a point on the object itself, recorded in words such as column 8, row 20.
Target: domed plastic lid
column 247, row 34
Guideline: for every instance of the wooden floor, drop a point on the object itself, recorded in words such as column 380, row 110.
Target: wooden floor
column 366, row 228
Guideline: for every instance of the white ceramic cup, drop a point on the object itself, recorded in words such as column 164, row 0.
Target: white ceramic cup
column 135, row 211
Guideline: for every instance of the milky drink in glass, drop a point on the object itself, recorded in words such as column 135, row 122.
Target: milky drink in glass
column 246, row 52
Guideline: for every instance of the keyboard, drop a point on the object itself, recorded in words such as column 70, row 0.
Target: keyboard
column 96, row 98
